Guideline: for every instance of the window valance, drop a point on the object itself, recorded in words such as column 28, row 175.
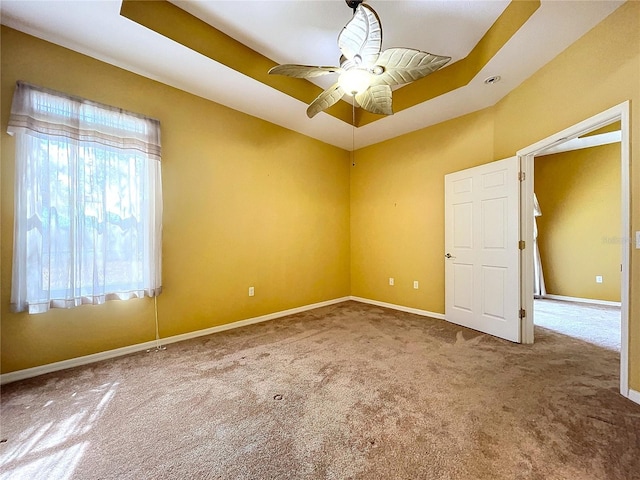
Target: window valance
column 43, row 111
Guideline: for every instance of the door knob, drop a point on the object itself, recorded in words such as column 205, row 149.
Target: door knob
column 448, row 255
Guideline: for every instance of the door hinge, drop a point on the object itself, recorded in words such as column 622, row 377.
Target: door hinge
column 522, row 313
column 521, row 176
column 521, row 244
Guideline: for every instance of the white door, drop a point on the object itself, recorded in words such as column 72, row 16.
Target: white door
column 482, row 258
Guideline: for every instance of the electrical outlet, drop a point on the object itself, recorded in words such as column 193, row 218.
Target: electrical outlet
column 598, row 278
column 415, row 284
column 252, row 292
column 391, row 281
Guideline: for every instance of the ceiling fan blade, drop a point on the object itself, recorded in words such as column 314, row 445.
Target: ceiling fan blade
column 327, row 98
column 362, row 36
column 302, row 71
column 404, row 65
column 376, row 99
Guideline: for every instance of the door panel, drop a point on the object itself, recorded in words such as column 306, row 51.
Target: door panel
column 463, row 220
column 463, row 287
column 482, row 271
column 493, row 223
column 493, row 291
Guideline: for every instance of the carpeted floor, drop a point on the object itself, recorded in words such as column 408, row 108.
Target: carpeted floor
column 350, row 391
column 593, row 323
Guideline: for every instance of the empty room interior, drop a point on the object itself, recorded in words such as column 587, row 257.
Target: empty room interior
column 255, row 269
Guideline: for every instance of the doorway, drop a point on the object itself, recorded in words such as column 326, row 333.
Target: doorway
column 618, row 113
column 577, row 187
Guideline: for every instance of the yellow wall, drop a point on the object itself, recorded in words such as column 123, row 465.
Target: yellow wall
column 579, row 230
column 397, row 209
column 397, row 186
column 246, row 203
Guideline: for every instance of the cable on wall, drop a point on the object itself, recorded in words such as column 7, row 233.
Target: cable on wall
column 159, row 347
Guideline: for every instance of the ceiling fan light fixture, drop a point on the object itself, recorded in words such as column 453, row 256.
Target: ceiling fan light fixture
column 354, row 81
column 366, row 72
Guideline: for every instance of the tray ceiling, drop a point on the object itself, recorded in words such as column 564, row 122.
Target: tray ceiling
column 219, row 50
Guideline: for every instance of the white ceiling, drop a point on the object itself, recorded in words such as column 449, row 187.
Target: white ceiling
column 305, row 31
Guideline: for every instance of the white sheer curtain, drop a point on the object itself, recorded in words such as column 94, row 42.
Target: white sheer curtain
column 539, row 289
column 88, row 202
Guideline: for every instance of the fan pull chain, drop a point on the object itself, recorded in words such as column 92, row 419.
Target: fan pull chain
column 353, row 133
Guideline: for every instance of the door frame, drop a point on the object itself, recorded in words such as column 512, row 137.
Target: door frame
column 526, row 155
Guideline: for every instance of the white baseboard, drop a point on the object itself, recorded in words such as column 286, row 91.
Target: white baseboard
column 424, row 313
column 118, row 352
column 581, row 300
column 634, row 396
column 73, row 362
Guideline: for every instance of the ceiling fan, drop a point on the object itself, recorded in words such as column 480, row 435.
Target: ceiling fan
column 366, row 72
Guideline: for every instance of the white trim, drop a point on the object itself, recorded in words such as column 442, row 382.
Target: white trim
column 526, row 255
column 625, row 231
column 589, row 125
column 581, row 300
column 97, row 357
column 251, row 321
column 585, row 142
column 619, row 112
column 73, row 362
column 417, row 311
column 634, row 396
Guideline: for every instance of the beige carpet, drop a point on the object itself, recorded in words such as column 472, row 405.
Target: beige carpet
column 348, row 391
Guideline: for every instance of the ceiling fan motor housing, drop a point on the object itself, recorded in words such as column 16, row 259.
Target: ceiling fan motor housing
column 353, row 3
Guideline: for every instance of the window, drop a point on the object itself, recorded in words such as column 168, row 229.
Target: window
column 88, row 202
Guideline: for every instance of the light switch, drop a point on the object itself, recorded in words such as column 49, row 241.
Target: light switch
column 638, row 240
